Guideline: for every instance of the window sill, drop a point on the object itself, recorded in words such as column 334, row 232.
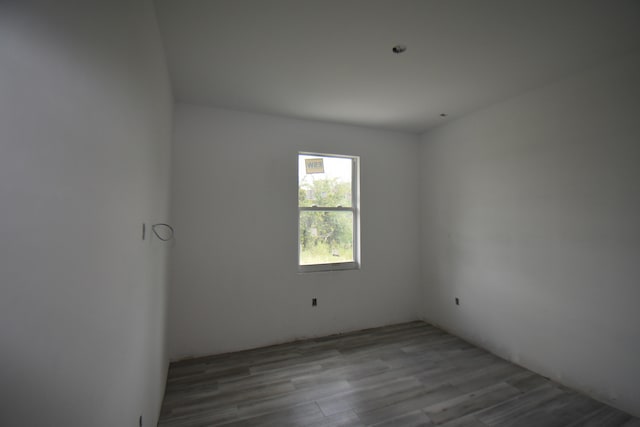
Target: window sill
column 317, row 268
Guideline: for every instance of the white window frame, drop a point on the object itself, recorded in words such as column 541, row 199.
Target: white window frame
column 355, row 209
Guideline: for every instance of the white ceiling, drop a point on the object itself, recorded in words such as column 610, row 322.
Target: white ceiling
column 331, row 59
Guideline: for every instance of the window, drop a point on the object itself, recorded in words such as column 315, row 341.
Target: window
column 328, row 214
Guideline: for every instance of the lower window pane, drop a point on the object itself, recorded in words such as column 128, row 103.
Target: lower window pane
column 326, row 237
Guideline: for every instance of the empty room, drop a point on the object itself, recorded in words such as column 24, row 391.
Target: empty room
column 319, row 213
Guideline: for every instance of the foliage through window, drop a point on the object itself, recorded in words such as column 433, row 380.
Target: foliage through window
column 327, row 212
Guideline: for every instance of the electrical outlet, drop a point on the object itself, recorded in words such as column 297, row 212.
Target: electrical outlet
column 457, row 301
column 314, row 302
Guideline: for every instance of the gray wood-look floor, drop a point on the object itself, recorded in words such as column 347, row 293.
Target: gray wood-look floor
column 411, row 374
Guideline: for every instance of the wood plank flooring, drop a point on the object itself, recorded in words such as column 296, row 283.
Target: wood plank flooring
column 411, row 374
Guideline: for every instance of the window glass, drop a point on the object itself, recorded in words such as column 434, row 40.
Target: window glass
column 326, row 237
column 329, row 188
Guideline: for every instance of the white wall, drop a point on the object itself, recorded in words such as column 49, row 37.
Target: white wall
column 531, row 216
column 235, row 283
column 85, row 126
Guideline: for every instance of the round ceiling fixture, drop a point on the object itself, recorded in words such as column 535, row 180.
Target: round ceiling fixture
column 399, row 48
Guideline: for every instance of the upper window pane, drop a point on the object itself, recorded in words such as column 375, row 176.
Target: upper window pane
column 324, row 181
